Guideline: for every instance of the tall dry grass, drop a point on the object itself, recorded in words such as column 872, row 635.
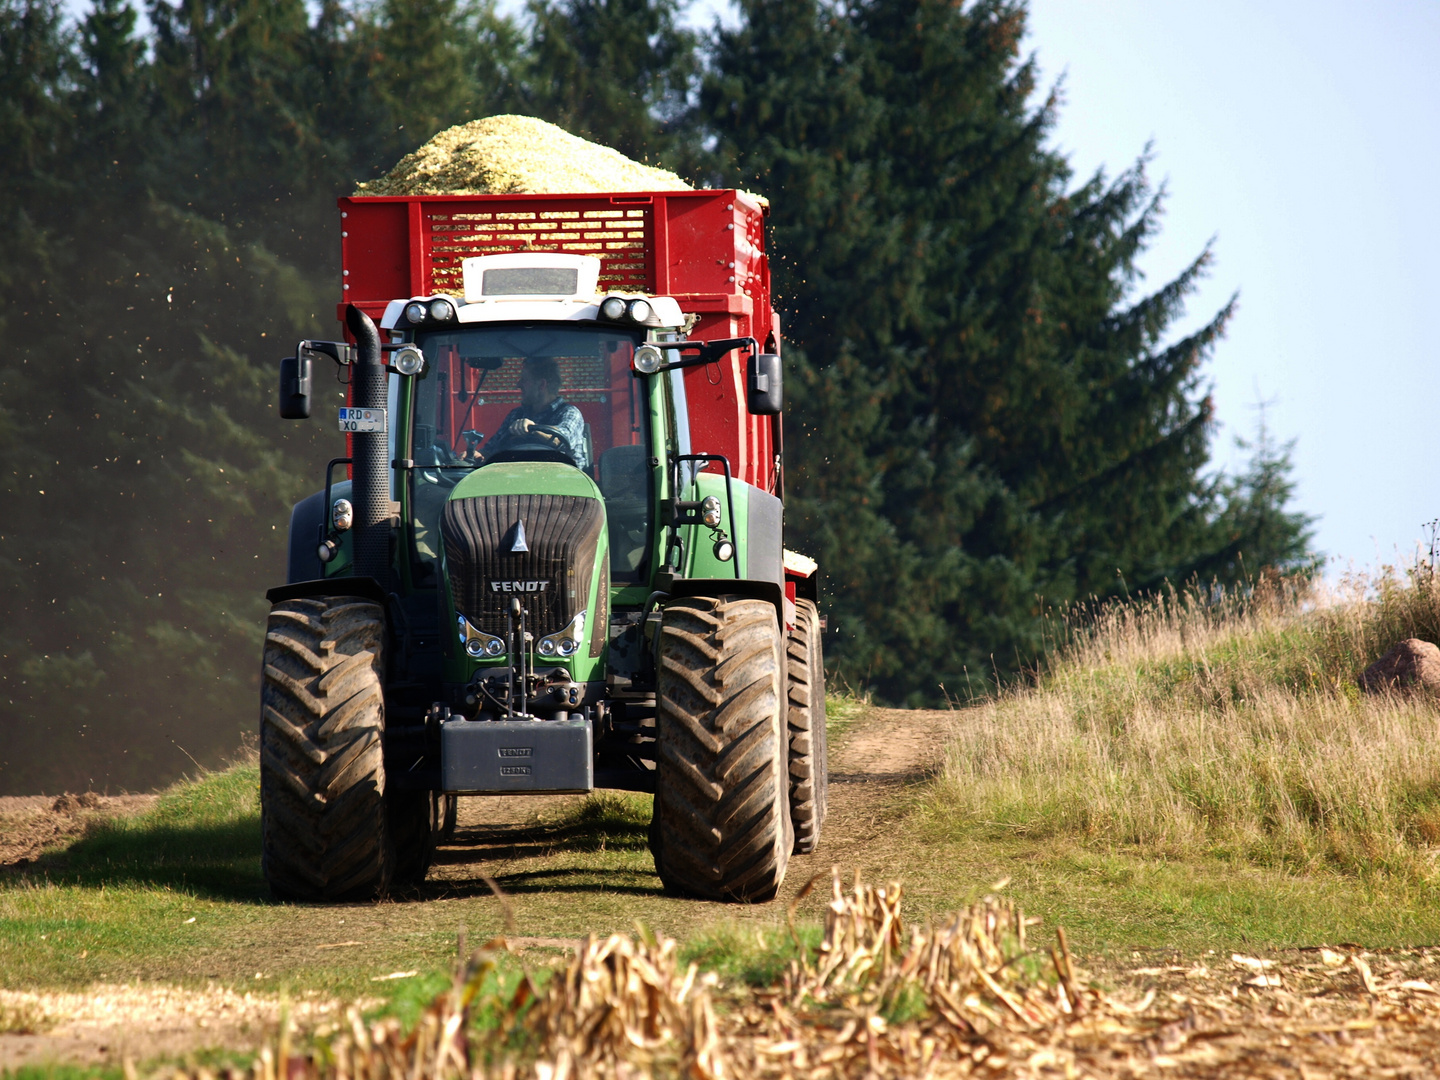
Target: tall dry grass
column 1193, row 723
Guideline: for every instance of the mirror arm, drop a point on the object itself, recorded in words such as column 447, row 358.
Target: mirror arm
column 342, row 352
column 710, row 351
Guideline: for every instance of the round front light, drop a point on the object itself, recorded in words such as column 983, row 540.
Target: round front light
column 342, row 515
column 408, row 361
column 640, row 310
column 710, row 511
column 442, row 310
column 724, row 550
column 648, row 359
column 415, row 311
column 494, row 647
column 474, row 647
column 568, row 647
column 612, row 307
column 546, row 647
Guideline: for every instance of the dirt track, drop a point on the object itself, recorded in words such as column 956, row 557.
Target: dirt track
column 31, row 823
column 876, row 758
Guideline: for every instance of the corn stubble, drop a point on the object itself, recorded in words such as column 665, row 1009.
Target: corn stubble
column 966, row 995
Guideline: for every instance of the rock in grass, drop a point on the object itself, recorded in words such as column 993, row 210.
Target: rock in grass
column 1411, row 663
column 514, row 155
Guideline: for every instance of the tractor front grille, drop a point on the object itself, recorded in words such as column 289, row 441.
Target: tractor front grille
column 551, row 579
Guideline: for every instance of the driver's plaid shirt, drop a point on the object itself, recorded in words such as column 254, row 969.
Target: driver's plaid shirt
column 560, row 415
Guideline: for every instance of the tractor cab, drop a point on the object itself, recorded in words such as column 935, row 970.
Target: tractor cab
column 467, row 405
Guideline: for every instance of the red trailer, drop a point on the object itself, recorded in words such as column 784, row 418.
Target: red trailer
column 704, row 248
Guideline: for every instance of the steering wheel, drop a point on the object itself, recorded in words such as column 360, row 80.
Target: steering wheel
column 541, row 436
column 542, row 442
column 563, row 444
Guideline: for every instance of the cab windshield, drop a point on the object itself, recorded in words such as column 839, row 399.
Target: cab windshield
column 472, row 400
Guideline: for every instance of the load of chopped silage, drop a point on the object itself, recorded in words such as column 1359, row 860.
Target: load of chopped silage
column 516, row 155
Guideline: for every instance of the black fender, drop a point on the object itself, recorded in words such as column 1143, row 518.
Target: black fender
column 366, row 587
column 750, row 588
column 306, row 519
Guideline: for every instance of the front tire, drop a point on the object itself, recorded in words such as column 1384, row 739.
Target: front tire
column 324, row 822
column 721, row 827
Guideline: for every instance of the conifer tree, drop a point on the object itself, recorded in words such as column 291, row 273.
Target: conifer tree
column 993, row 419
column 112, row 90
column 616, row 71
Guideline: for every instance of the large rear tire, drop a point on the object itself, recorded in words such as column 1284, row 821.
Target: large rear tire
column 721, row 826
column 324, row 822
column 809, row 773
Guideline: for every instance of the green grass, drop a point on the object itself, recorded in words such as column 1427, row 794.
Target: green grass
column 176, row 893
column 201, row 837
column 61, row 1071
column 749, row 955
column 1114, row 901
column 843, row 709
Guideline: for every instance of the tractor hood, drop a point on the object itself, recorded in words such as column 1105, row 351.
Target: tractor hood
column 536, row 532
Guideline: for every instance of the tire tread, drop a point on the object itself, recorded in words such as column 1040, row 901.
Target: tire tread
column 809, row 773
column 322, row 768
column 721, row 828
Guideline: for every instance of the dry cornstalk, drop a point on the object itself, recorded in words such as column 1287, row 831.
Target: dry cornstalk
column 963, row 995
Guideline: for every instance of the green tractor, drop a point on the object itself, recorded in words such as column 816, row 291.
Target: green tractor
column 528, row 577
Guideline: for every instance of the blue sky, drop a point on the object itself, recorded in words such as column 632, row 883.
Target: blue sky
column 1306, row 139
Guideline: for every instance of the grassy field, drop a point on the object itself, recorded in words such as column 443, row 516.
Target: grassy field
column 1187, row 776
column 1221, row 744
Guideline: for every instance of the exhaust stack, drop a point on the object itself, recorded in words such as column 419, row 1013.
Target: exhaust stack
column 371, row 477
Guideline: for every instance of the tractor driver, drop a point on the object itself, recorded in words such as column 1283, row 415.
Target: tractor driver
column 542, row 416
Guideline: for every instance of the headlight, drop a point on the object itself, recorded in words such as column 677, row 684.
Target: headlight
column 342, row 515
column 408, row 361
column 724, row 550
column 710, row 511
column 566, row 641
column 612, row 307
column 442, row 310
column 415, row 311
column 640, row 310
column 648, row 359
column 477, row 643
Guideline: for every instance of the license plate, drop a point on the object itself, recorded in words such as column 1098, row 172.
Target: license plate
column 357, row 420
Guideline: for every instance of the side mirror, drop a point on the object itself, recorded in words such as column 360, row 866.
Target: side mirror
column 763, row 396
column 295, row 388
